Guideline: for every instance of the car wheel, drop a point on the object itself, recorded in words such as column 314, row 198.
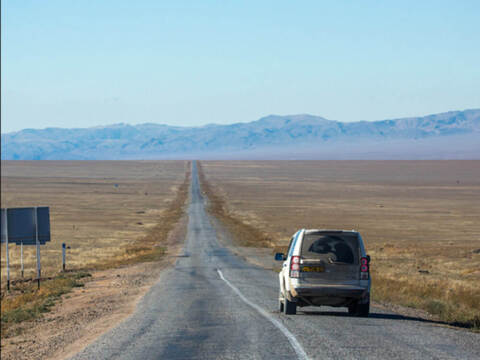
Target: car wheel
column 357, row 309
column 363, row 309
column 289, row 307
column 352, row 309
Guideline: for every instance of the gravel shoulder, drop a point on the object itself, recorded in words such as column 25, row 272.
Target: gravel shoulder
column 85, row 313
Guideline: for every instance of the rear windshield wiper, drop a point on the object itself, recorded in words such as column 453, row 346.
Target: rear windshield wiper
column 331, row 261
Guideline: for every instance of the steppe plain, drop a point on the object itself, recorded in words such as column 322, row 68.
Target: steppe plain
column 98, row 208
column 420, row 221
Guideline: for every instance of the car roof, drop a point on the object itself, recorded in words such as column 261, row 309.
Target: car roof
column 316, row 231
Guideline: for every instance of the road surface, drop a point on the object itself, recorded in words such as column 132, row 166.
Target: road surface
column 214, row 305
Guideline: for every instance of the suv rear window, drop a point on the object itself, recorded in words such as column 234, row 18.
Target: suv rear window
column 331, row 247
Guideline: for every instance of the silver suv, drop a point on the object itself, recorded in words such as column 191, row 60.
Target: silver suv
column 325, row 267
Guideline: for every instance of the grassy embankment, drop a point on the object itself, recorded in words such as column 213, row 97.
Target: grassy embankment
column 419, row 228
column 244, row 234
column 25, row 302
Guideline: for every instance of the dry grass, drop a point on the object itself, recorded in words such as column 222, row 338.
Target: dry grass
column 26, row 302
column 246, row 234
column 98, row 208
column 419, row 220
column 151, row 245
column 139, row 213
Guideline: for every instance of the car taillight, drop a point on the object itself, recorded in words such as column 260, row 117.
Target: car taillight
column 363, row 268
column 295, row 267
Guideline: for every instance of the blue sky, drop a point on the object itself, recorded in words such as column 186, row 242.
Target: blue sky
column 87, row 63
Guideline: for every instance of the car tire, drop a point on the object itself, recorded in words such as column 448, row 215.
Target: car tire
column 363, row 309
column 289, row 307
column 352, row 309
column 357, row 309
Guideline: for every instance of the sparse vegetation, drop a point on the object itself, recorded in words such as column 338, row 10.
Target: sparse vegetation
column 246, row 234
column 25, row 302
column 457, row 305
column 149, row 247
column 419, row 220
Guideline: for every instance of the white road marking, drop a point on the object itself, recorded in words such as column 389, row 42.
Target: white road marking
column 291, row 338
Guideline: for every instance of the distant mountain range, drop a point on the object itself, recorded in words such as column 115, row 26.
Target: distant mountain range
column 454, row 134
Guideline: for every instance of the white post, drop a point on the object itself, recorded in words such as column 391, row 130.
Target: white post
column 6, row 249
column 21, row 256
column 39, row 270
column 63, row 256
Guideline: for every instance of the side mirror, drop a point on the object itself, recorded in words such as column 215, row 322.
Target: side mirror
column 368, row 259
column 280, row 256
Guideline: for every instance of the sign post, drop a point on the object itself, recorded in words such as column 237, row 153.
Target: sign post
column 39, row 270
column 63, row 256
column 6, row 248
column 21, row 257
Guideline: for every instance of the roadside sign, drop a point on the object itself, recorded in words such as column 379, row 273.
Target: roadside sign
column 25, row 226
column 21, row 225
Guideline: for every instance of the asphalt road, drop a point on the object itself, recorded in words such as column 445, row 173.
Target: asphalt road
column 214, row 305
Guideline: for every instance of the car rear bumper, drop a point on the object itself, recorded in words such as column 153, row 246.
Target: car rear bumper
column 340, row 291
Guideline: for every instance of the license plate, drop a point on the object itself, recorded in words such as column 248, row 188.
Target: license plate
column 313, row 269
